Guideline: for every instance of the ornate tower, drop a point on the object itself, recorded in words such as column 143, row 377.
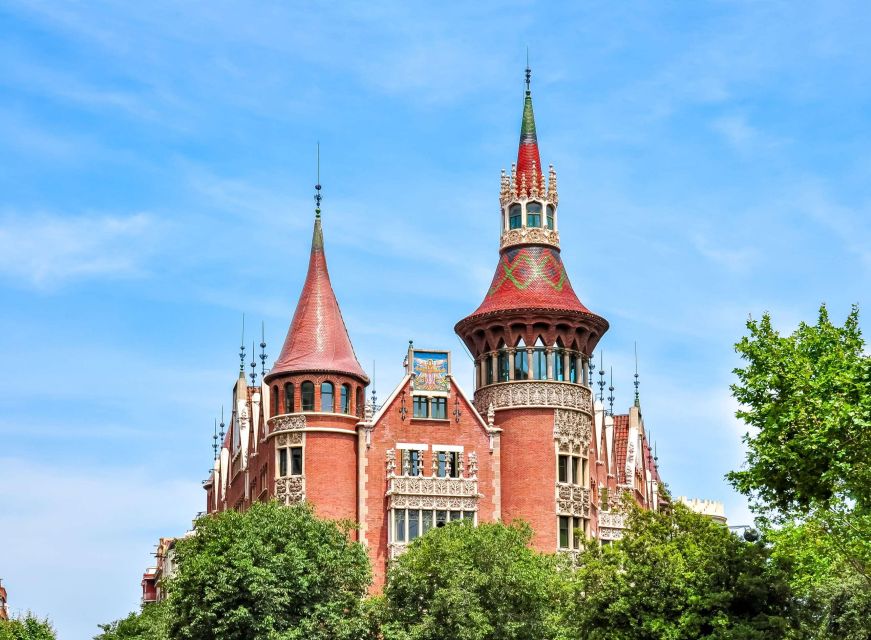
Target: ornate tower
column 316, row 395
column 532, row 339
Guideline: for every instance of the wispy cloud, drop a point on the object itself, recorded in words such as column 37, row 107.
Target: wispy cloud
column 47, row 250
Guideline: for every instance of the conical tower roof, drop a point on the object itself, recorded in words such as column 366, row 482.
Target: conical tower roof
column 528, row 158
column 317, row 339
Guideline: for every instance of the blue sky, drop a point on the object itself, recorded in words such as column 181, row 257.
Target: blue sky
column 158, row 161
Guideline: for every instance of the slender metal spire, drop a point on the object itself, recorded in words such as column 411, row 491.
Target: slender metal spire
column 374, row 397
column 242, row 350
column 528, row 73
column 222, row 426
column 611, row 392
column 318, row 196
column 215, row 441
column 592, row 367
column 263, row 355
column 253, row 365
column 601, row 377
column 637, row 397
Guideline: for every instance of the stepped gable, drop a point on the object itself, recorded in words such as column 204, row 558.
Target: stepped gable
column 318, row 339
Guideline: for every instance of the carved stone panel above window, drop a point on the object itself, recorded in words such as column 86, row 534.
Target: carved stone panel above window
column 538, row 393
column 281, row 423
column 290, row 490
column 573, row 500
column 572, row 429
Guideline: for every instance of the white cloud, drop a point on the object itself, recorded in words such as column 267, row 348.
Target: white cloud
column 46, row 250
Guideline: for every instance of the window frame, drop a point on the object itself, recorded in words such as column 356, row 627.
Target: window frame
column 307, row 388
column 438, row 408
column 292, row 388
column 331, row 394
column 419, row 403
column 345, row 398
column 533, row 214
column 515, row 216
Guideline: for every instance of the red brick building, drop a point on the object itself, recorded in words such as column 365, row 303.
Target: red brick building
column 532, row 442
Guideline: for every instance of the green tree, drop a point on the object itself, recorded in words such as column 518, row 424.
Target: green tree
column 472, row 583
column 678, row 576
column 807, row 400
column 272, row 572
column 27, row 627
column 151, row 623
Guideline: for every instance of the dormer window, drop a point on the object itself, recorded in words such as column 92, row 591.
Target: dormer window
column 533, row 214
column 550, row 216
column 514, row 217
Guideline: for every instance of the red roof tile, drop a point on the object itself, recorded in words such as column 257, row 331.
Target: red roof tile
column 318, row 339
column 621, row 441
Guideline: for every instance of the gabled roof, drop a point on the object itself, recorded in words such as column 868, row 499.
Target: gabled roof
column 621, row 442
column 317, row 339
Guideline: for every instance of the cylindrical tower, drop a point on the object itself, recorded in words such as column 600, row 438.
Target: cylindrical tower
column 531, row 339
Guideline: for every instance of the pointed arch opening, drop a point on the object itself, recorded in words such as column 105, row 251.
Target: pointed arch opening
column 539, row 360
column 521, row 361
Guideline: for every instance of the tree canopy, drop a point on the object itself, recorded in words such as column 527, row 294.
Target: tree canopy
column 472, row 583
column 679, row 576
column 27, row 627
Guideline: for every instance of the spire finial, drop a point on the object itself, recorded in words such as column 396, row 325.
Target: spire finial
column 318, row 196
column 263, row 355
column 215, row 441
column 222, row 426
column 253, row 374
column 242, row 350
column 528, row 72
column 637, row 398
column 611, row 392
column 374, row 397
column 601, row 382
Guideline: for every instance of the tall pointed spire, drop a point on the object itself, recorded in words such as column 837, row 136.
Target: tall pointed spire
column 528, row 158
column 317, row 339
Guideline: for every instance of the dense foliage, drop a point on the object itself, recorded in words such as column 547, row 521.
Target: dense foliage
column 27, row 627
column 680, row 576
column 472, row 583
column 152, row 623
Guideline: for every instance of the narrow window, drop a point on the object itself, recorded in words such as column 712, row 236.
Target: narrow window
column 521, row 366
column 441, row 518
column 288, row 397
column 576, row 478
column 275, row 400
column 439, row 408
column 296, row 461
column 533, row 214
column 577, row 533
column 502, row 361
column 399, row 519
column 585, row 472
column 539, row 363
column 469, row 516
column 550, row 216
column 456, row 515
column 346, row 398
column 603, row 498
column 573, row 368
column 360, row 401
column 420, row 406
column 564, row 532
column 412, row 462
column 282, row 462
column 563, row 468
column 488, row 369
column 427, row 521
column 514, row 221
column 413, row 524
column 307, row 393
column 441, row 464
column 454, row 464
column 327, row 404
column 559, row 370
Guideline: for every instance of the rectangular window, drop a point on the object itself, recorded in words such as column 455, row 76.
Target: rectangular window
column 578, row 533
column 539, row 363
column 412, row 462
column 521, row 366
column 559, row 371
column 439, row 408
column 488, row 370
column 399, row 520
column 296, row 461
column 456, row 515
column 469, row 516
column 447, row 464
column 502, row 362
column 427, row 521
column 441, row 518
column 573, row 368
column 603, row 498
column 564, row 532
column 576, row 478
column 413, row 524
column 533, row 219
column 282, row 462
column 421, row 407
column 585, row 472
column 563, row 468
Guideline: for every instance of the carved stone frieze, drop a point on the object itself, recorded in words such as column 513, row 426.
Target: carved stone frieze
column 572, row 429
column 529, row 235
column 432, row 493
column 290, row 490
column 289, row 439
column 396, row 549
column 573, row 500
column 534, row 393
column 286, row 422
column 613, row 520
column 448, row 503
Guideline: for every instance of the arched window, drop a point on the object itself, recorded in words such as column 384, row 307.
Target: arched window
column 514, row 221
column 521, row 365
column 307, row 396
column 288, row 398
column 327, row 403
column 533, row 214
column 346, row 398
column 275, row 400
column 550, row 215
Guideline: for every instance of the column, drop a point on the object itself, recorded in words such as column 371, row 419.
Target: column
column 511, row 364
column 549, row 352
column 494, row 364
column 529, row 372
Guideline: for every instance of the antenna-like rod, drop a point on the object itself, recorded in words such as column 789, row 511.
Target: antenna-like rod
column 601, row 382
column 374, row 397
column 592, row 369
column 528, row 72
column 215, row 441
column 611, row 390
column 263, row 355
column 242, row 350
column 222, row 425
column 318, row 196
column 253, row 365
column 637, row 398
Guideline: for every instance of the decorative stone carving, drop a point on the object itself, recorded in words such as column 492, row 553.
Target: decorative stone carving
column 573, row 500
column 290, row 490
column 615, row 520
column 491, row 416
column 572, row 429
column 422, row 492
column 289, row 439
column 391, row 462
column 473, row 464
column 527, row 235
column 534, row 393
column 286, row 422
column 607, row 533
column 396, row 549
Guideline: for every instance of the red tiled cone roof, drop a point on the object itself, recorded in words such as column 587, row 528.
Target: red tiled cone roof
column 528, row 159
column 530, row 277
column 317, row 339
